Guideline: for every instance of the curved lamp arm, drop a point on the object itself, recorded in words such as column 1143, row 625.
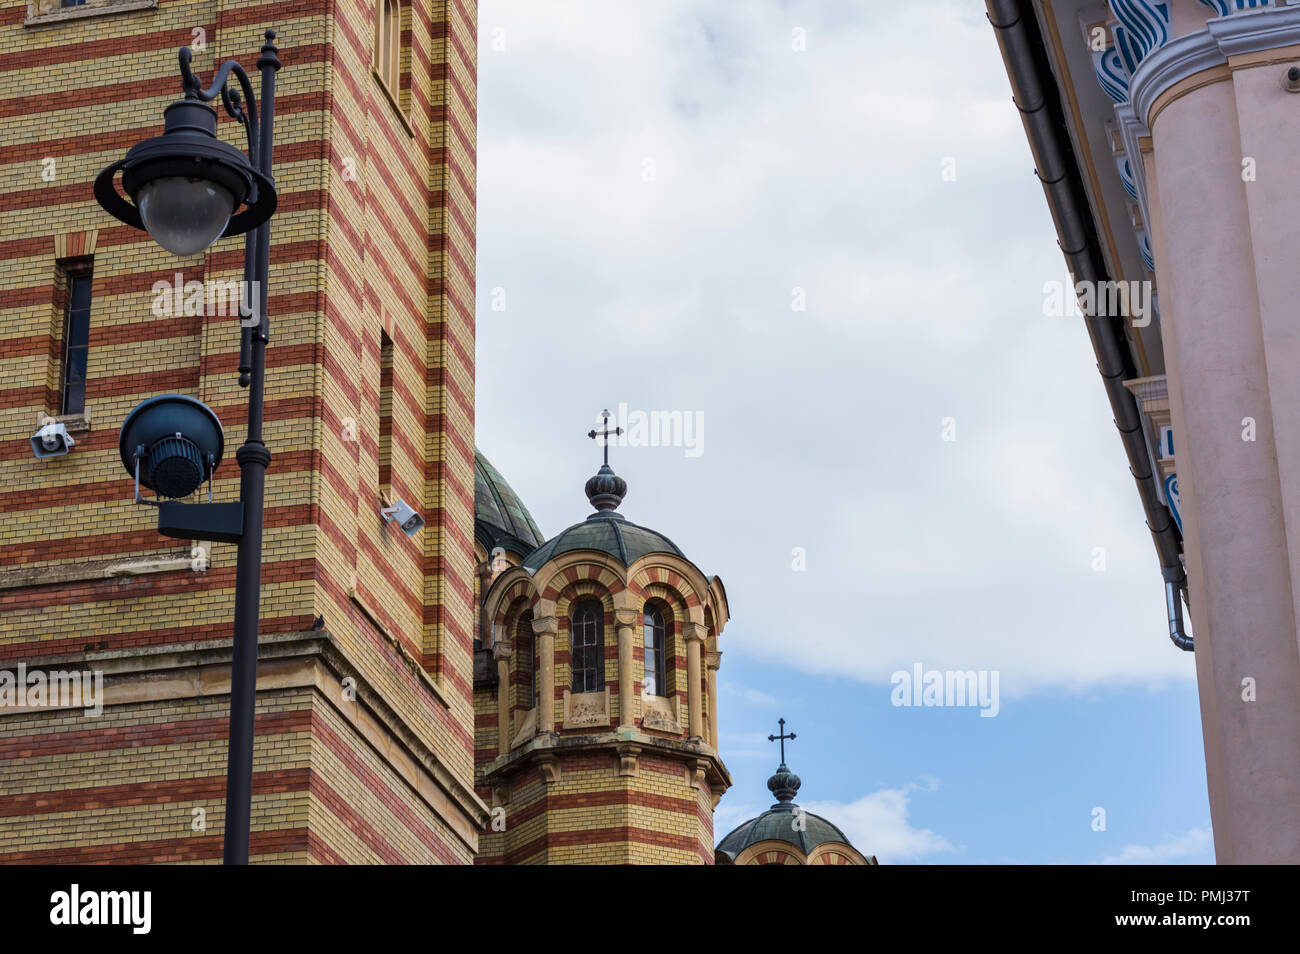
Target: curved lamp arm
column 242, row 110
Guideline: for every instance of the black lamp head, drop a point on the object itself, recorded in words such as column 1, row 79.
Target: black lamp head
column 177, row 440
column 199, row 182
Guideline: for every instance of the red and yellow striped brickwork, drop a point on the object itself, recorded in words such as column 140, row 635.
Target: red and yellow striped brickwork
column 592, row 814
column 365, row 723
column 626, row 787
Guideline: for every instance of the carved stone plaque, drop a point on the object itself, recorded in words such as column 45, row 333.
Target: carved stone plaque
column 660, row 713
column 583, row 709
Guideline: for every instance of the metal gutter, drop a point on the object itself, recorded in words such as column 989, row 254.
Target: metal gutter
column 1039, row 102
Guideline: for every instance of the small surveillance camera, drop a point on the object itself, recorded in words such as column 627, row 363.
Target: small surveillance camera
column 52, row 440
column 401, row 514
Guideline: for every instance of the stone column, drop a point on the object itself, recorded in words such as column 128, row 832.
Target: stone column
column 1228, row 285
column 694, row 633
column 484, row 626
column 502, row 652
column 712, row 661
column 545, row 630
column 626, row 620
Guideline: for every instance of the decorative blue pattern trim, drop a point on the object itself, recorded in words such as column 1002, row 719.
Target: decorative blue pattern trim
column 1111, row 74
column 1126, row 177
column 1175, row 501
column 1225, row 7
column 1146, row 21
column 1129, row 54
column 1144, row 246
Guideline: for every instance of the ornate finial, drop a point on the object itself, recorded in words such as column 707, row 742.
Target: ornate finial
column 269, row 51
column 605, row 432
column 606, row 490
column 784, row 784
column 783, row 736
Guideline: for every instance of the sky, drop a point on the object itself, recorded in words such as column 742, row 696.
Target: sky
column 813, row 231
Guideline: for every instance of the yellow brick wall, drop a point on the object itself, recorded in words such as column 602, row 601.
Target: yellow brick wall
column 383, row 240
column 150, row 783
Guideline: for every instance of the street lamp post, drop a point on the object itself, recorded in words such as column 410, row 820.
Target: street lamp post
column 188, row 189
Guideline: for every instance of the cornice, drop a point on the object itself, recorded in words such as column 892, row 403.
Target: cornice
column 1247, row 31
column 550, row 746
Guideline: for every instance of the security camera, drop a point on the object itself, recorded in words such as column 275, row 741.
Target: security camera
column 52, row 440
column 406, row 518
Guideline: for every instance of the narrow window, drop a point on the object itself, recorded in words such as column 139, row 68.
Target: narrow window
column 587, row 647
column 385, row 455
column 524, row 656
column 394, row 45
column 381, row 32
column 655, row 641
column 388, row 43
column 76, row 339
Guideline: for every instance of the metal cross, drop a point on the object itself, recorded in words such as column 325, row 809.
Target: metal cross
column 605, row 433
column 782, row 737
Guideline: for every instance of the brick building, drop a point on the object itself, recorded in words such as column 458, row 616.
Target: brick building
column 618, row 630
column 399, row 677
column 365, row 734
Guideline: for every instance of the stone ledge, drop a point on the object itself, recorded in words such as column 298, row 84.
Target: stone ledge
column 94, row 8
column 75, row 423
column 89, row 570
column 551, row 748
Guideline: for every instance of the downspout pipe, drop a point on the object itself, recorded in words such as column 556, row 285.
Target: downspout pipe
column 1174, row 583
column 1036, row 96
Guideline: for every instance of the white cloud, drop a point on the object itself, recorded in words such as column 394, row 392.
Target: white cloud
column 878, row 824
column 776, row 169
column 1194, row 846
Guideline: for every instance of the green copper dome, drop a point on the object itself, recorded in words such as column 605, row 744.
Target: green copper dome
column 778, row 823
column 605, row 531
column 500, row 517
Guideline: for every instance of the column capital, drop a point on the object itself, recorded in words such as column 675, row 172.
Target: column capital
column 546, row 626
column 626, row 617
column 502, row 650
column 695, row 632
column 713, row 659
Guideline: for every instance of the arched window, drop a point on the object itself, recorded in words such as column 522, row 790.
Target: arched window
column 656, row 643
column 587, row 646
column 388, row 42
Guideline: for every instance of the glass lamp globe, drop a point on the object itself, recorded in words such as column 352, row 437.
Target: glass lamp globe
column 184, row 215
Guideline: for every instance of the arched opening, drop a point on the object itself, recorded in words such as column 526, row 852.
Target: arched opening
column 587, row 646
column 655, row 644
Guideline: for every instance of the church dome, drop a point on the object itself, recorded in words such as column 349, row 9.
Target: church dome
column 778, row 822
column 812, row 839
column 500, row 517
column 607, row 533
column 604, row 531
